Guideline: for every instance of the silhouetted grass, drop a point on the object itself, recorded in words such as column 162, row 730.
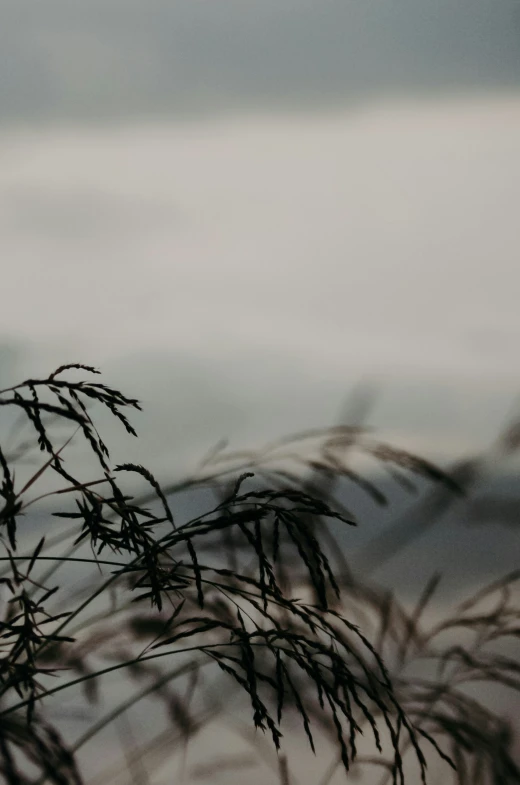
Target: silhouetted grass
column 254, row 590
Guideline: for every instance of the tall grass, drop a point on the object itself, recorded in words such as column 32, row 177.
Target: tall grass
column 247, row 598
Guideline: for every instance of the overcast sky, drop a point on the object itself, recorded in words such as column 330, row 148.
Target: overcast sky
column 106, row 58
column 241, row 265
column 241, row 276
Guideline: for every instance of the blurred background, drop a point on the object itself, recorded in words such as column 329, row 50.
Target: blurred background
column 239, row 210
column 248, row 213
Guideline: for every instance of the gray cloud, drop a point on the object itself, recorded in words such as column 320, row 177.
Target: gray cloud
column 124, row 57
column 81, row 215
